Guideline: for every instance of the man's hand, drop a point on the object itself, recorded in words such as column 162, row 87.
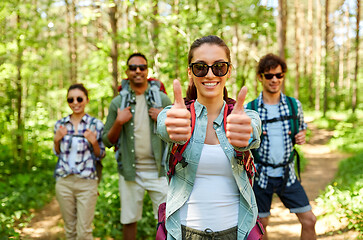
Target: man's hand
column 60, row 133
column 154, row 112
column 177, row 120
column 300, row 137
column 238, row 128
column 124, row 115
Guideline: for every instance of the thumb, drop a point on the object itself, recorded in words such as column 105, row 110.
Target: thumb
column 238, row 107
column 178, row 98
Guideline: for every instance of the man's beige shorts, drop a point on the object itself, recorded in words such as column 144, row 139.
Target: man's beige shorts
column 132, row 195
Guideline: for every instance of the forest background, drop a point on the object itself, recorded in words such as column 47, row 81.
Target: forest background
column 46, row 45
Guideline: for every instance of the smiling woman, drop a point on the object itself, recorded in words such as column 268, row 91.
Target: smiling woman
column 79, row 147
column 194, row 210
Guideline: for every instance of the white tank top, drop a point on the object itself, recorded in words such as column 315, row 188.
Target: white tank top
column 214, row 200
column 72, row 157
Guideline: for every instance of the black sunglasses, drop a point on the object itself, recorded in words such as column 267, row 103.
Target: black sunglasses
column 133, row 67
column 71, row 100
column 269, row 76
column 219, row 69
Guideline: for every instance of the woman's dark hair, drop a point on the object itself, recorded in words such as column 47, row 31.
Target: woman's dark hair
column 212, row 40
column 271, row 61
column 78, row 86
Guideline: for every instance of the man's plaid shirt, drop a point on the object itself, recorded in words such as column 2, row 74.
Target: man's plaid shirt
column 263, row 151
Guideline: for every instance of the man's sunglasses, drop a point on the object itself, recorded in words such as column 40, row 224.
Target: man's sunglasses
column 219, row 69
column 71, row 100
column 133, row 67
column 269, row 76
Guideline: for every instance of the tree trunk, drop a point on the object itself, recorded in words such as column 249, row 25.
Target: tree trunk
column 348, row 60
column 235, row 47
column 19, row 63
column 318, row 54
column 310, row 58
column 75, row 45
column 281, row 31
column 72, row 45
column 297, row 48
column 355, row 83
column 114, row 47
column 177, row 43
column 341, row 66
column 327, row 32
column 155, row 37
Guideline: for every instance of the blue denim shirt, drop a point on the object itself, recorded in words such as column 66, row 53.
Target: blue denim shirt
column 181, row 184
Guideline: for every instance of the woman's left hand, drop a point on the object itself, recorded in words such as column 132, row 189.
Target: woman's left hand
column 238, row 127
column 90, row 136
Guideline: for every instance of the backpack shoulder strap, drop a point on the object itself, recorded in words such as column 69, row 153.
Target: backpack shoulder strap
column 243, row 157
column 252, row 105
column 154, row 93
column 294, row 122
column 124, row 93
column 92, row 124
column 177, row 150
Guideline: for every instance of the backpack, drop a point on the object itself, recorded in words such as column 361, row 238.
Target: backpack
column 154, row 96
column 98, row 164
column 175, row 157
column 294, row 128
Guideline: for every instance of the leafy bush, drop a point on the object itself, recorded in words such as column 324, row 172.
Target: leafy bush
column 107, row 213
column 19, row 194
column 344, row 197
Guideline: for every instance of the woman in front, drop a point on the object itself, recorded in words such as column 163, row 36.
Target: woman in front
column 78, row 145
column 210, row 198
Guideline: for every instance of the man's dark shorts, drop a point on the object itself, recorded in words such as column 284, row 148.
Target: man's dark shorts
column 293, row 197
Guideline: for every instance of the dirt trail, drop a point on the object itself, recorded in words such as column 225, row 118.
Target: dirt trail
column 47, row 223
column 321, row 168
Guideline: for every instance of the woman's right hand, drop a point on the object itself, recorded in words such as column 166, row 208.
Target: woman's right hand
column 177, row 120
column 60, row 133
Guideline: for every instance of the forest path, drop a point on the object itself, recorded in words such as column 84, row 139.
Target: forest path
column 319, row 172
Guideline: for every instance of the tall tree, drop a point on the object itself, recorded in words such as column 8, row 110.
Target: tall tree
column 309, row 53
column 114, row 46
column 72, row 39
column 19, row 88
column 348, row 58
column 327, row 75
column 297, row 48
column 318, row 54
column 155, row 36
column 355, row 85
column 281, row 30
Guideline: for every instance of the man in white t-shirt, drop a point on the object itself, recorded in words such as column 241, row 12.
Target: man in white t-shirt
column 140, row 151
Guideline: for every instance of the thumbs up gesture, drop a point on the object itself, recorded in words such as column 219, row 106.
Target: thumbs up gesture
column 177, row 120
column 238, row 127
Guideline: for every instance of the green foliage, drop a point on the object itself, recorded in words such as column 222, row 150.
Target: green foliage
column 107, row 213
column 20, row 193
column 344, row 197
